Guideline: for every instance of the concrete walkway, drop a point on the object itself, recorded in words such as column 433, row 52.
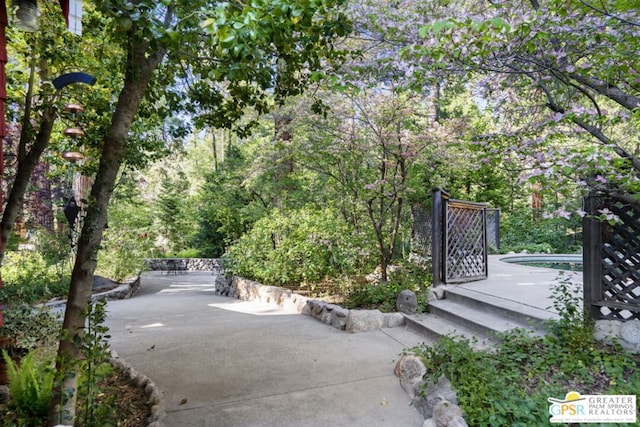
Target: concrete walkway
column 223, row 362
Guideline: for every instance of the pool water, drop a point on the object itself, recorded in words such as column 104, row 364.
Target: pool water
column 557, row 262
column 566, row 266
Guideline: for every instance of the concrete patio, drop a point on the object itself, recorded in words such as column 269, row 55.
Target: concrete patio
column 521, row 284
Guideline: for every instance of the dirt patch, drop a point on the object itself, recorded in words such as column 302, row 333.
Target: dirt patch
column 130, row 401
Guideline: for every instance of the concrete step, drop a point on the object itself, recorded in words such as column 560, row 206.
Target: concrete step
column 476, row 316
column 433, row 327
column 485, row 323
column 520, row 313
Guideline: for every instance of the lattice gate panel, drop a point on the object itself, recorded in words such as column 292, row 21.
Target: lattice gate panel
column 621, row 265
column 465, row 241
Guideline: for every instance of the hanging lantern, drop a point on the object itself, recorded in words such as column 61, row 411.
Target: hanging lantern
column 26, row 13
column 71, row 211
column 72, row 156
column 74, row 132
column 74, row 108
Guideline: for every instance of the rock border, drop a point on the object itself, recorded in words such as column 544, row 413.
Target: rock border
column 124, row 290
column 155, row 398
column 349, row 320
column 437, row 401
column 190, row 264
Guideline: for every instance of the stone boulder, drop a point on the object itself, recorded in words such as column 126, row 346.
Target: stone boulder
column 433, row 393
column 410, row 370
column 223, row 286
column 364, row 320
column 102, row 284
column 407, row 302
column 447, row 414
column 436, row 293
column 393, row 320
column 626, row 333
column 606, row 330
column 630, row 334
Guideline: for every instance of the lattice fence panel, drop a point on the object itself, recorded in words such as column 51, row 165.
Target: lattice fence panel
column 465, row 250
column 621, row 265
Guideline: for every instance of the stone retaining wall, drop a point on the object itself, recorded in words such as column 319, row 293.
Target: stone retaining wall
column 192, row 264
column 331, row 314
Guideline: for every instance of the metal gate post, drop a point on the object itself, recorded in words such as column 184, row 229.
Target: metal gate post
column 592, row 257
column 437, row 236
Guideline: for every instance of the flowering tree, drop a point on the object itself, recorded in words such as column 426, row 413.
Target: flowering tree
column 569, row 71
column 366, row 146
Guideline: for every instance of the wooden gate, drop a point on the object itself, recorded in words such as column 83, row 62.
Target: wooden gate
column 459, row 240
column 611, row 254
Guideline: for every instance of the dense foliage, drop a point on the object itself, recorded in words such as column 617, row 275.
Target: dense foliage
column 317, row 125
column 30, row 278
column 303, row 246
column 521, row 231
column 511, row 385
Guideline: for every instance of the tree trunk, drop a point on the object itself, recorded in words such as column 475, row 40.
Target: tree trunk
column 28, row 158
column 26, row 165
column 140, row 67
column 377, row 227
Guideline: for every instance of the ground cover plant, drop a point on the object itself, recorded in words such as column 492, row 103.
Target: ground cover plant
column 383, row 295
column 510, row 385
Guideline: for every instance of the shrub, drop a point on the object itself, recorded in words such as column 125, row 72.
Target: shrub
column 383, row 296
column 31, row 327
column 519, row 231
column 130, row 237
column 299, row 246
column 29, row 278
column 54, row 246
column 120, row 258
column 188, row 253
column 94, row 410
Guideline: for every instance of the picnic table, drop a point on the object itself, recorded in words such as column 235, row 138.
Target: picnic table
column 175, row 265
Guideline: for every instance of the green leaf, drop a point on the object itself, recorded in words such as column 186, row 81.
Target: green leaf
column 501, row 24
column 228, row 38
column 424, row 31
column 207, row 23
column 440, row 26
